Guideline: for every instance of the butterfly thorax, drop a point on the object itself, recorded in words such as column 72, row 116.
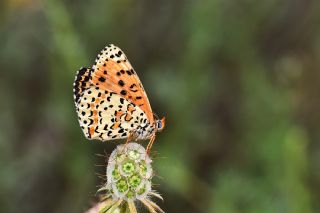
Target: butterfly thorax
column 144, row 131
column 147, row 130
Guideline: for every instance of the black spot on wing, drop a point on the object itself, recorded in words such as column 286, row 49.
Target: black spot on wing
column 121, row 83
column 121, row 100
column 102, row 79
column 105, row 127
column 123, row 92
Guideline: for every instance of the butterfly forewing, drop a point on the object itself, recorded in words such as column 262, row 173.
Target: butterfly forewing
column 114, row 72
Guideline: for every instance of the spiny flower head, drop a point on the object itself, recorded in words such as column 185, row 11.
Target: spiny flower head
column 129, row 175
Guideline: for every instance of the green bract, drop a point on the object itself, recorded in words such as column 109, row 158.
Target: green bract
column 115, row 174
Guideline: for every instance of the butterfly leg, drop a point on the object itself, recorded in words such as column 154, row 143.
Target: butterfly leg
column 130, row 138
column 152, row 139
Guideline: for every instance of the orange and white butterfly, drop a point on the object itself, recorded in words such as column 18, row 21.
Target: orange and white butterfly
column 111, row 102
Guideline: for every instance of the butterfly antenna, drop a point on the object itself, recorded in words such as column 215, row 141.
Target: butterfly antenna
column 155, row 115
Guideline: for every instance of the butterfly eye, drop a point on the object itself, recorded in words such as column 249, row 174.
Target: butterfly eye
column 159, row 124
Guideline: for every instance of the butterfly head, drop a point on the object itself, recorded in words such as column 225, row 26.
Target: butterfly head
column 160, row 124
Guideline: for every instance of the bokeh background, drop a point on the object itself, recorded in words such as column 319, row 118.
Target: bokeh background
column 237, row 80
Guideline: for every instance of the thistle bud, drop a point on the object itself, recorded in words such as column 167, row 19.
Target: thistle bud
column 129, row 175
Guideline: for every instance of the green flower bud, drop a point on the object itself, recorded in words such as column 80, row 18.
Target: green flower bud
column 116, row 174
column 134, row 181
column 120, row 158
column 122, row 185
column 143, row 169
column 128, row 167
column 130, row 194
column 134, row 154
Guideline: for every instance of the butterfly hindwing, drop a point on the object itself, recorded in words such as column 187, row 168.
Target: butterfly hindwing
column 106, row 115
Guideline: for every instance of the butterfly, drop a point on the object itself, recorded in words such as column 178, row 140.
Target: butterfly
column 111, row 102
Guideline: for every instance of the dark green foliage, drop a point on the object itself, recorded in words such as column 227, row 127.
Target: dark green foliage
column 237, row 80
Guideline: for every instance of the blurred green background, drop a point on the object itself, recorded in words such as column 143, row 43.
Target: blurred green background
column 237, row 80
